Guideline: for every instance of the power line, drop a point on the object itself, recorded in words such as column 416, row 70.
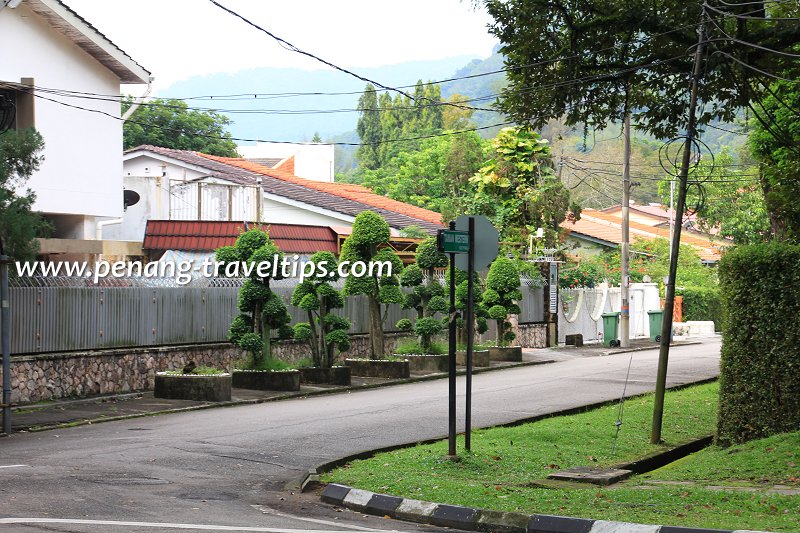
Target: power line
column 207, row 136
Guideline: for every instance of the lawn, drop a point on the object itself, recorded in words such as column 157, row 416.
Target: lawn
column 506, row 467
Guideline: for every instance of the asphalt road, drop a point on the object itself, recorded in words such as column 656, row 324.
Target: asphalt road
column 228, row 467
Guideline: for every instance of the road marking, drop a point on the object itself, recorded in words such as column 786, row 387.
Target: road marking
column 12, row 466
column 269, row 510
column 166, row 525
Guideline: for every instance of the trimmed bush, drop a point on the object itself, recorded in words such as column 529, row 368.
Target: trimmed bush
column 760, row 368
column 702, row 303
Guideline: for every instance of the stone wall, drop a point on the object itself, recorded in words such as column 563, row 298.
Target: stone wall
column 531, row 335
column 36, row 378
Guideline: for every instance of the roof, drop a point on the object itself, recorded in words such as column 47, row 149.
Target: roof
column 207, row 236
column 608, row 227
column 269, row 162
column 659, row 211
column 344, row 190
column 87, row 37
column 342, row 198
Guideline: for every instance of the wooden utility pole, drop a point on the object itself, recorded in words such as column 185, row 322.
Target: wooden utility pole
column 669, row 299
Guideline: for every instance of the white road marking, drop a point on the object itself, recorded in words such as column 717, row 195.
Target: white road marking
column 166, row 525
column 11, row 466
column 269, row 510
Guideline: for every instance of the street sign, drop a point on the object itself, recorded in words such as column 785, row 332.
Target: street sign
column 453, row 242
column 486, row 240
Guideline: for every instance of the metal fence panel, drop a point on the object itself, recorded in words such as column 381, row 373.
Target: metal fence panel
column 69, row 315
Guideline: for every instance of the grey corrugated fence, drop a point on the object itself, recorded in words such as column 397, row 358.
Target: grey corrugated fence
column 66, row 314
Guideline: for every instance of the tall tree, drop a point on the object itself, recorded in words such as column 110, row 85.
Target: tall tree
column 20, row 157
column 519, row 189
column 369, row 129
column 775, row 143
column 589, row 61
column 170, row 123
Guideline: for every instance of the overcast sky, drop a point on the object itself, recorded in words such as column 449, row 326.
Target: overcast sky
column 176, row 39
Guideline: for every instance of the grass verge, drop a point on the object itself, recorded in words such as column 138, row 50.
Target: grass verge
column 506, row 467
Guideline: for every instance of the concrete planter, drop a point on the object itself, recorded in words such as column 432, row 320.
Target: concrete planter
column 479, row 357
column 506, row 353
column 337, row 375
column 281, row 380
column 205, row 388
column 426, row 363
column 378, row 368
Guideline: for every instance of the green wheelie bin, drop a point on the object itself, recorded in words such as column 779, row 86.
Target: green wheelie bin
column 610, row 323
column 655, row 316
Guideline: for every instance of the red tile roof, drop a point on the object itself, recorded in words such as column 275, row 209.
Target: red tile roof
column 207, row 236
column 608, row 227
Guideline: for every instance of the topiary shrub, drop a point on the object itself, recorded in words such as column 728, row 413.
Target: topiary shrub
column 370, row 233
column 263, row 314
column 760, row 367
column 427, row 296
column 325, row 333
column 502, row 289
column 702, row 303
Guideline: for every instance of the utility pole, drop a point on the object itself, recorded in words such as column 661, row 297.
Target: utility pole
column 5, row 343
column 625, row 314
column 669, row 299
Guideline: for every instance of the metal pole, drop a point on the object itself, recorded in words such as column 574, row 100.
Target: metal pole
column 5, row 327
column 669, row 298
column 625, row 314
column 451, row 425
column 470, row 334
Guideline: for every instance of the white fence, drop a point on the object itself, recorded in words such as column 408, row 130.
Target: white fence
column 581, row 310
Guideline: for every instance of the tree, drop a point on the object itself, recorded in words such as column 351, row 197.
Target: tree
column 316, row 139
column 261, row 310
column 776, row 145
column 325, row 332
column 369, row 234
column 729, row 201
column 592, row 61
column 369, row 129
column 502, row 289
column 20, row 157
column 519, row 190
column 427, row 296
column 170, row 123
column 479, row 311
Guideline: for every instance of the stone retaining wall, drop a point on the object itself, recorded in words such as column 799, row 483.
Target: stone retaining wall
column 531, row 335
column 36, row 378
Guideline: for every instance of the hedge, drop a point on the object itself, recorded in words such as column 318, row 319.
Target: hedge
column 702, row 303
column 760, row 367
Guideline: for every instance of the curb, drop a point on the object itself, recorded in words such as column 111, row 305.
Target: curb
column 472, row 519
column 235, row 403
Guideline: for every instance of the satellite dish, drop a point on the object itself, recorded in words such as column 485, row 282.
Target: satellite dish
column 129, row 198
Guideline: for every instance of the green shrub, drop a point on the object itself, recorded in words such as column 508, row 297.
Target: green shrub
column 414, row 348
column 760, row 367
column 702, row 303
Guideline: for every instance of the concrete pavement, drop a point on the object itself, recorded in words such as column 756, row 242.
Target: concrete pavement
column 229, row 467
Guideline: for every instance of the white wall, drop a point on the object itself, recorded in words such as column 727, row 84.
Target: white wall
column 277, row 211
column 311, row 161
column 82, row 171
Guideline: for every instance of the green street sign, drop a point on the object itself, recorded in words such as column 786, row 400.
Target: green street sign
column 454, row 242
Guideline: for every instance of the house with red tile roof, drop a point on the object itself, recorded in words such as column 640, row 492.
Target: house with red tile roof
column 180, row 185
column 599, row 230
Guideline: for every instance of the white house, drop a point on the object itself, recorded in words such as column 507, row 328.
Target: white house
column 180, row 185
column 53, row 62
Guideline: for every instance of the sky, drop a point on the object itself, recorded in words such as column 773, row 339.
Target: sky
column 177, row 39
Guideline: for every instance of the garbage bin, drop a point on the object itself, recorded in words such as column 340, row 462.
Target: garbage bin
column 656, row 316
column 610, row 323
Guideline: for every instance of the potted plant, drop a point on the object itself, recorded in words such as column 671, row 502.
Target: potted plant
column 263, row 315
column 199, row 383
column 371, row 232
column 325, row 332
column 427, row 299
column 502, row 289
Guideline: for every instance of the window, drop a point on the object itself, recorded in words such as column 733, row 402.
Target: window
column 16, row 105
